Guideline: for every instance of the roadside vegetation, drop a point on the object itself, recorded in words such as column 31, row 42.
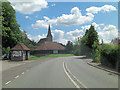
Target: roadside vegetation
column 11, row 33
column 89, row 45
column 32, row 57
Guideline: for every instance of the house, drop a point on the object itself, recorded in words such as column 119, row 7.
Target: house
column 47, row 46
column 20, row 52
column 116, row 41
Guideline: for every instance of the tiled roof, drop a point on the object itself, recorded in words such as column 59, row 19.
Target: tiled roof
column 20, row 46
column 50, row 46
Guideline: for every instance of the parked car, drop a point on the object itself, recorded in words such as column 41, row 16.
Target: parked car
column 5, row 56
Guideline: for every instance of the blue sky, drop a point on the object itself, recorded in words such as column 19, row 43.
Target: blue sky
column 68, row 20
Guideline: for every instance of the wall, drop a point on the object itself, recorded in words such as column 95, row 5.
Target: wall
column 44, row 52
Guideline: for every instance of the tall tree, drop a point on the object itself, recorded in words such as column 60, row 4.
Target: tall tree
column 87, row 42
column 69, row 46
column 11, row 33
column 92, row 36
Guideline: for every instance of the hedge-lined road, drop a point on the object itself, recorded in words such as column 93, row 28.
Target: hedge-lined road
column 63, row 72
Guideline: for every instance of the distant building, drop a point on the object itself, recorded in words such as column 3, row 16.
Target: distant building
column 20, row 52
column 48, row 38
column 47, row 46
column 116, row 41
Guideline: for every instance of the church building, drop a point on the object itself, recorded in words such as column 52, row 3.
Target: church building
column 47, row 46
column 47, row 39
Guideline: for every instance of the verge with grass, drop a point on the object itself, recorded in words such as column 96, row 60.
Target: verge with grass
column 32, row 57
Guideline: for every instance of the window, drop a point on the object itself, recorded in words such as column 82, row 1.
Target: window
column 55, row 52
column 17, row 53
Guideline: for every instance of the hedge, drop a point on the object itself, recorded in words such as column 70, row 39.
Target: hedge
column 110, row 55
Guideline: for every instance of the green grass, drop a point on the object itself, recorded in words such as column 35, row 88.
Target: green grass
column 49, row 56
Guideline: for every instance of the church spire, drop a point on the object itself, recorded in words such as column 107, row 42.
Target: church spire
column 49, row 32
column 49, row 35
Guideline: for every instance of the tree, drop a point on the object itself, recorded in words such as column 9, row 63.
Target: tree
column 29, row 43
column 87, row 44
column 92, row 36
column 11, row 34
column 69, row 47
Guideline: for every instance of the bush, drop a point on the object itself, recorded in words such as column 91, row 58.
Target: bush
column 96, row 52
column 109, row 55
column 6, row 50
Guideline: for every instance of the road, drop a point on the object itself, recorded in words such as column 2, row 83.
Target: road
column 61, row 72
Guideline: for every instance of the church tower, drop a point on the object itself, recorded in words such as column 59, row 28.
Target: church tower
column 49, row 35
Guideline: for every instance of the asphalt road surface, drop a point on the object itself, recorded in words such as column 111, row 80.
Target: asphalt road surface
column 61, row 72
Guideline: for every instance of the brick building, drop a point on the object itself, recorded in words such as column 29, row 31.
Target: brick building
column 20, row 52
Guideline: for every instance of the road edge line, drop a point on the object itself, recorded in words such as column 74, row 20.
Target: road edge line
column 75, row 84
column 75, row 77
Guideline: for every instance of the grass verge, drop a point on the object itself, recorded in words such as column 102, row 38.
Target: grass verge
column 48, row 56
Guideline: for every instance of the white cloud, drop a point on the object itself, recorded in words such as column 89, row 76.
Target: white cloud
column 109, row 27
column 74, row 18
column 26, row 17
column 53, row 5
column 36, row 38
column 97, row 26
column 63, row 41
column 40, row 23
column 29, row 7
column 108, row 33
column 72, row 35
column 105, row 8
column 58, row 35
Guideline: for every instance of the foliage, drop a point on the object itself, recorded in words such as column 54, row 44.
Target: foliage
column 106, row 54
column 69, row 47
column 96, row 52
column 29, row 43
column 11, row 34
column 110, row 55
column 84, row 45
column 91, row 37
column 6, row 50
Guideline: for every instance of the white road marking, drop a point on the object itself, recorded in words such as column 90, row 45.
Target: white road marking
column 75, row 77
column 22, row 72
column 70, row 77
column 7, row 82
column 17, row 76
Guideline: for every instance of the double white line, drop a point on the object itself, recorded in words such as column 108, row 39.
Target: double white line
column 69, row 74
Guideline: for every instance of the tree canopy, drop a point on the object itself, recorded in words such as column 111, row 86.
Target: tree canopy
column 91, row 36
column 88, row 42
column 11, row 33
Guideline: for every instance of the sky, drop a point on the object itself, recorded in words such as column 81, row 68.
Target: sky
column 68, row 20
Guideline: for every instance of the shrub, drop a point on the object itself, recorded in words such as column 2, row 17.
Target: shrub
column 96, row 52
column 109, row 55
column 6, row 50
